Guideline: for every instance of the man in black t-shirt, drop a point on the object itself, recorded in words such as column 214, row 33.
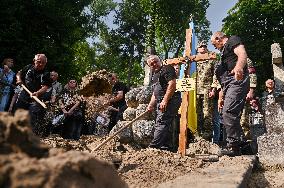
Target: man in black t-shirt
column 37, row 79
column 168, row 102
column 232, row 73
column 118, row 102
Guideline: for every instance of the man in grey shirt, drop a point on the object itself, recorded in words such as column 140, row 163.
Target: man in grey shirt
column 56, row 86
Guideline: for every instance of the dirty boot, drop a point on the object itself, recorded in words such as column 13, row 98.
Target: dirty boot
column 231, row 151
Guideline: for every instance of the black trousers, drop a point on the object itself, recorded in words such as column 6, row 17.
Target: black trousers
column 72, row 127
column 162, row 130
column 37, row 113
column 115, row 117
column 234, row 100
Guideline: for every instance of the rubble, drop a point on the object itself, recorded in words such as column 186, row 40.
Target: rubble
column 143, row 132
column 130, row 97
column 202, row 146
column 124, row 136
column 95, row 105
column 129, row 114
column 144, row 95
column 143, row 108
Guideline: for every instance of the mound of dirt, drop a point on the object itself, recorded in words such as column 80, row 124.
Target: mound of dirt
column 95, row 84
column 136, row 166
column 26, row 162
column 203, row 147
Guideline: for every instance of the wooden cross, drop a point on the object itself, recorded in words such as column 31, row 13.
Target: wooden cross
column 187, row 85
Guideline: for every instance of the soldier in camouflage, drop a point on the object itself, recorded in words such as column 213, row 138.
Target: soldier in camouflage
column 204, row 106
column 245, row 115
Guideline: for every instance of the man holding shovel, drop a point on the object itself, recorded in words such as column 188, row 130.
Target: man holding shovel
column 36, row 80
column 168, row 102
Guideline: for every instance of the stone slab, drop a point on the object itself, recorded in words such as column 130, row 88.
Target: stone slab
column 274, row 118
column 271, row 149
column 229, row 172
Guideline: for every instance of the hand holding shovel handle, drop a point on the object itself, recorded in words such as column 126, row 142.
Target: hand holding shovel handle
column 34, row 97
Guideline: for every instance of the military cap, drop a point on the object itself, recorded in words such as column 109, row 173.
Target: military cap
column 201, row 43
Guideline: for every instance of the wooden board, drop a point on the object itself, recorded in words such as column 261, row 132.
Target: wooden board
column 185, row 84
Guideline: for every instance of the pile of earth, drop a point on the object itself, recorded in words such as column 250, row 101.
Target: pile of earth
column 27, row 162
column 138, row 167
column 95, row 84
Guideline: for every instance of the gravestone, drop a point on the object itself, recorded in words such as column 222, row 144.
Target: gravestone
column 271, row 144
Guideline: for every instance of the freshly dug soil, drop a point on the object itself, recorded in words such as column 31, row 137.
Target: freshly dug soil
column 266, row 177
column 136, row 166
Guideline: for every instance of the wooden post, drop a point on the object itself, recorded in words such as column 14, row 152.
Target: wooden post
column 185, row 101
column 183, row 124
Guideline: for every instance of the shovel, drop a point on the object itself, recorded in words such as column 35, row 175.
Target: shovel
column 117, row 132
column 34, row 97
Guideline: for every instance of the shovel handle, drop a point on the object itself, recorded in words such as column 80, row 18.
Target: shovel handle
column 34, row 97
column 117, row 132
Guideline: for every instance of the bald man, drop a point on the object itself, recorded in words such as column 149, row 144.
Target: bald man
column 37, row 79
column 232, row 73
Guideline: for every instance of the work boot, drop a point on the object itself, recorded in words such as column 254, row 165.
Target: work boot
column 246, row 148
column 230, row 151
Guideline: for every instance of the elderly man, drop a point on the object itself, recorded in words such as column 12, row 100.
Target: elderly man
column 232, row 73
column 37, row 79
column 168, row 102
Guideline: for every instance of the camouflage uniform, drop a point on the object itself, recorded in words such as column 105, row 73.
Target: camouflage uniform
column 204, row 106
column 245, row 115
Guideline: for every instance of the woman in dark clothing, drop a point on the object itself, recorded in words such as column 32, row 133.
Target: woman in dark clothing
column 70, row 105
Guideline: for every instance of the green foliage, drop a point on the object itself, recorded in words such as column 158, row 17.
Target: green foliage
column 169, row 20
column 51, row 27
column 121, row 49
column 259, row 23
column 60, row 29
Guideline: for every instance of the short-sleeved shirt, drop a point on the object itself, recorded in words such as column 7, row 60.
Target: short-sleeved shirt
column 34, row 80
column 119, row 86
column 56, row 88
column 162, row 78
column 229, row 58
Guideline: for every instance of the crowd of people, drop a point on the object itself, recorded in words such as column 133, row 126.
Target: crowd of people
column 225, row 92
column 44, row 85
column 225, row 95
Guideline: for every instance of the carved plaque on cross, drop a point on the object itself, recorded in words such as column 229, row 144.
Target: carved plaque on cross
column 185, row 84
